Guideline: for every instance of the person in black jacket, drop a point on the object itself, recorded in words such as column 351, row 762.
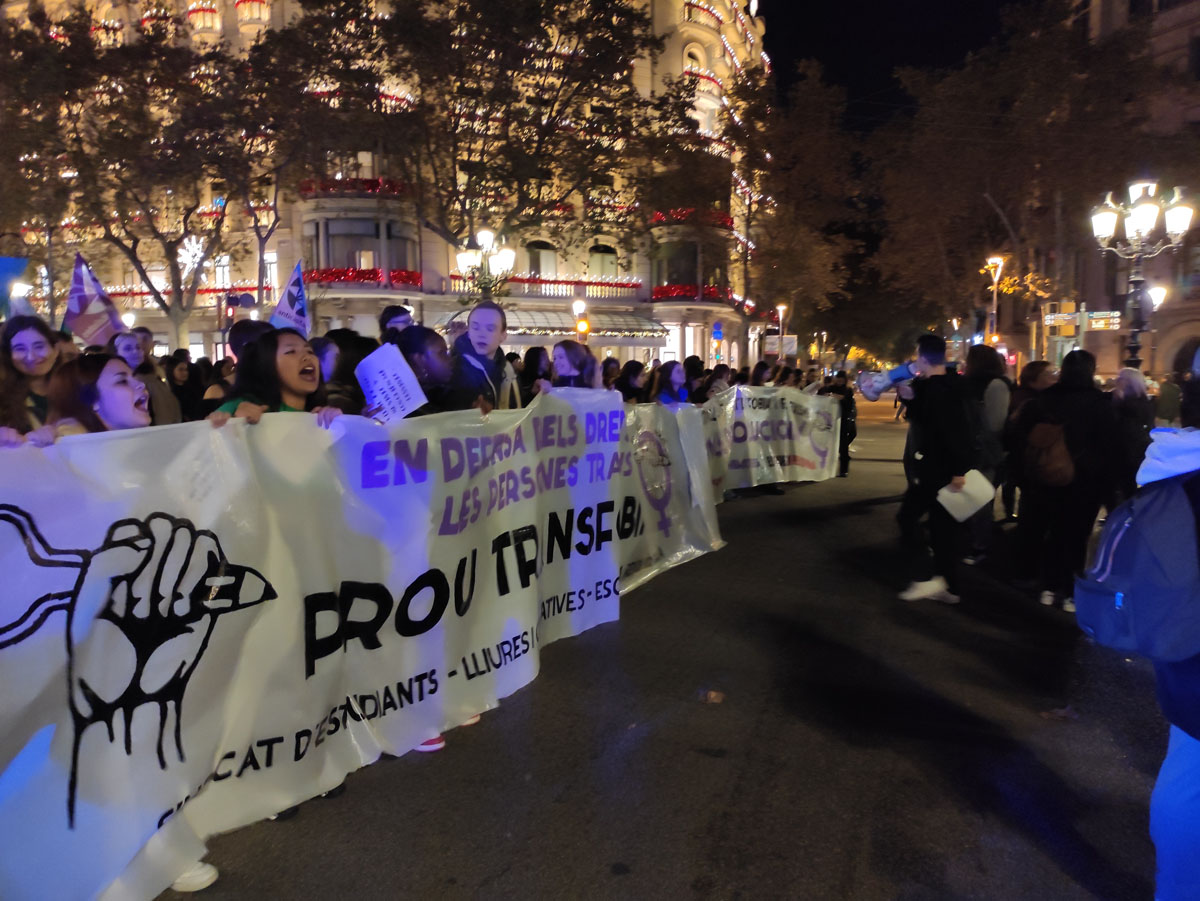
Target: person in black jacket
column 1057, row 519
column 482, row 377
column 939, row 452
column 844, row 391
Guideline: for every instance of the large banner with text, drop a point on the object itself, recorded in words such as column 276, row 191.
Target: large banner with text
column 757, row 436
column 200, row 627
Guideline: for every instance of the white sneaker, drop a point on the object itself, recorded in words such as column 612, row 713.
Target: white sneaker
column 929, row 588
column 198, row 876
column 1047, row 599
column 946, row 597
column 1069, row 605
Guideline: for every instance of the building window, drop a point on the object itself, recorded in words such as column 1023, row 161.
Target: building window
column 543, row 259
column 271, row 258
column 602, row 261
column 353, row 243
column 402, row 249
column 221, row 272
column 675, row 263
column 252, row 12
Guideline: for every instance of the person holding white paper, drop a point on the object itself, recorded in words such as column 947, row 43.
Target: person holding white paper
column 939, row 452
column 426, row 353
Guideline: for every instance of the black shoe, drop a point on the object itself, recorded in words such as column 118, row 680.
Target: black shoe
column 334, row 792
column 974, row 559
column 770, row 489
column 285, row 814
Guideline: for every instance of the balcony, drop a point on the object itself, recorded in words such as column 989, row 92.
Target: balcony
column 711, row 293
column 137, row 297
column 354, row 187
column 532, row 286
column 702, row 13
column 253, row 12
column 397, row 278
column 692, row 216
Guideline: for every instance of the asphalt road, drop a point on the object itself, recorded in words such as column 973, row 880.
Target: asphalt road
column 767, row 722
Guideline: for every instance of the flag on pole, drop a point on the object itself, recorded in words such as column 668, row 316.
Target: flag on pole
column 90, row 312
column 292, row 309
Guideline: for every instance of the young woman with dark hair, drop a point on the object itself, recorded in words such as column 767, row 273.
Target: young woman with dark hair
column 609, row 370
column 574, row 366
column 28, row 355
column 670, row 384
column 632, row 381
column 278, row 373
column 534, row 374
column 97, row 393
column 758, row 376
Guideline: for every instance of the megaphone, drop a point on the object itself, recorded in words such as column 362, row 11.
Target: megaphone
column 873, row 384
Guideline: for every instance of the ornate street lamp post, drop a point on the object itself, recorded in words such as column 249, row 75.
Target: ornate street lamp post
column 485, row 265
column 1141, row 219
column 994, row 267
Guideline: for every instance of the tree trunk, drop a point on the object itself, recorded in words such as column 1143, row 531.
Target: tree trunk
column 50, row 277
column 177, row 336
column 262, row 272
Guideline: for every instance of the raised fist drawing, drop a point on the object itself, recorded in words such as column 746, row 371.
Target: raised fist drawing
column 140, row 611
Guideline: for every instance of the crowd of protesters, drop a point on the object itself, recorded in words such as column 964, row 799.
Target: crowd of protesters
column 49, row 388
column 1059, row 447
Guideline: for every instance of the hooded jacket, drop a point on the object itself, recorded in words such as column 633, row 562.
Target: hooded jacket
column 475, row 376
column 1174, row 452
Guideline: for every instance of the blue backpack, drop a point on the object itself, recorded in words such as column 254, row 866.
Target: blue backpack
column 1141, row 594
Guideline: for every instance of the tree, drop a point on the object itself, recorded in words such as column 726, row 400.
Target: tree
column 795, row 171
column 1008, row 152
column 518, row 111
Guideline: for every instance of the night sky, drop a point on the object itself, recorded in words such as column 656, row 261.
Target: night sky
column 859, row 44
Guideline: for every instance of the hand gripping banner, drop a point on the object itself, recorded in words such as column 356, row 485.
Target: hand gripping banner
column 200, row 627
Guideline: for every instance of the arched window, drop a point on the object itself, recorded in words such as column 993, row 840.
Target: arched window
column 602, row 261
column 694, row 57
column 543, row 259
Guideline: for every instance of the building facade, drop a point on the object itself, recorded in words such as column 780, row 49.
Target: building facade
column 1173, row 336
column 362, row 246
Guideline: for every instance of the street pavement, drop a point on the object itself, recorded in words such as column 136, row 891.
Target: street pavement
column 767, row 722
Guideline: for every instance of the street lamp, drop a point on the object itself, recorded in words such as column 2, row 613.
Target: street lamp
column 1157, row 295
column 994, row 266
column 1141, row 219
column 484, row 264
column 780, row 309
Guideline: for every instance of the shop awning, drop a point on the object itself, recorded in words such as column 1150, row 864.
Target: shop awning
column 535, row 326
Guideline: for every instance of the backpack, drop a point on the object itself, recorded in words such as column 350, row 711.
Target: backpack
column 1048, row 461
column 1141, row 594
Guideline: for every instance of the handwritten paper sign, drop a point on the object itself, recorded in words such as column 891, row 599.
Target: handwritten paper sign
column 389, row 384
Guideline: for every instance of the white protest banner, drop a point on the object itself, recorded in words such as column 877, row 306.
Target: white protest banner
column 190, row 647
column 757, row 436
column 389, row 384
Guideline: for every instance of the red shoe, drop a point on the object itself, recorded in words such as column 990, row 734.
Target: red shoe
column 432, row 744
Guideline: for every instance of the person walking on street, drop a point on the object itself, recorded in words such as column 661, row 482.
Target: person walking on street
column 1134, row 409
column 1069, row 452
column 844, row 391
column 988, row 408
column 939, row 452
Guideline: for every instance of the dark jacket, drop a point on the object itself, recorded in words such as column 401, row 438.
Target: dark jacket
column 475, row 376
column 667, row 396
column 1089, row 428
column 941, row 444
column 1135, row 419
column 570, row 381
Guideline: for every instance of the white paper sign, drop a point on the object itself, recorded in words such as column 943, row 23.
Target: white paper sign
column 964, row 504
column 389, row 384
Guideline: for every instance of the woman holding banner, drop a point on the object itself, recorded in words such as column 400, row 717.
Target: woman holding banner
column 279, row 373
